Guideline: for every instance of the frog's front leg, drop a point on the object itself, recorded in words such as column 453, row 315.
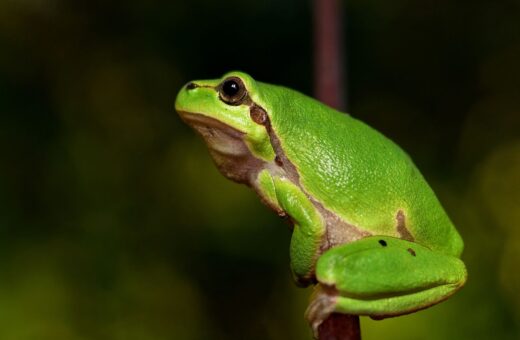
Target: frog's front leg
column 309, row 226
column 382, row 276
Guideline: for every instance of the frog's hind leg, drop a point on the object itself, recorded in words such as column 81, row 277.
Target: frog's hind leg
column 382, row 276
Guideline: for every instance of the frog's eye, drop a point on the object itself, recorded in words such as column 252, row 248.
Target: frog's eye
column 232, row 91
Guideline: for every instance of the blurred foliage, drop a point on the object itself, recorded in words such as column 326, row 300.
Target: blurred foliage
column 114, row 224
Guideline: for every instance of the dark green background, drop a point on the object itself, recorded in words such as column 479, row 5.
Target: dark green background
column 114, row 223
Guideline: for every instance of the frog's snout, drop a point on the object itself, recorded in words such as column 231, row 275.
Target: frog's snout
column 184, row 94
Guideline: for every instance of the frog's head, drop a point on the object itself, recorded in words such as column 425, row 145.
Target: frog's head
column 224, row 112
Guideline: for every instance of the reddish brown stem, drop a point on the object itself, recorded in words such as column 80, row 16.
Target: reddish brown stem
column 340, row 327
column 329, row 88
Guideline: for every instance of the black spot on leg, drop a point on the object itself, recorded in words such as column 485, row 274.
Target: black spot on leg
column 382, row 242
column 411, row 251
column 278, row 161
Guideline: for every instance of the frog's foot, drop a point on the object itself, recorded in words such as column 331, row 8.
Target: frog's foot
column 381, row 276
column 323, row 303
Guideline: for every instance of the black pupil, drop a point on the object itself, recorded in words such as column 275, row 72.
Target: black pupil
column 231, row 88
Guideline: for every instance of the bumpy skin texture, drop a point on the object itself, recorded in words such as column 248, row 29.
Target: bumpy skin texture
column 356, row 172
column 345, row 187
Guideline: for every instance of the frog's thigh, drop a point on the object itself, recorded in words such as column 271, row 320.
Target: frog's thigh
column 308, row 227
column 385, row 276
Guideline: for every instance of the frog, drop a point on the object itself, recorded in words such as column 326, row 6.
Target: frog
column 368, row 232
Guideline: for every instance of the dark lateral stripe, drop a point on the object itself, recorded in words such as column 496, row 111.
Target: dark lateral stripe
column 404, row 233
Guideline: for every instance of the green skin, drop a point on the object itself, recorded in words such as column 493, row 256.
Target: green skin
column 368, row 229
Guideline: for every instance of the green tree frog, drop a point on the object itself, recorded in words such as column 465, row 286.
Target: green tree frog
column 368, row 230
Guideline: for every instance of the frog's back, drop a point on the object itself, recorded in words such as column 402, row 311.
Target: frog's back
column 358, row 173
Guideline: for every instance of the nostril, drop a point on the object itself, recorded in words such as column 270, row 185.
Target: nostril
column 191, row 86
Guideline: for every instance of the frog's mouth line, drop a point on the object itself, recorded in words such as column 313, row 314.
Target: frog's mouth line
column 223, row 140
column 226, row 145
column 207, row 126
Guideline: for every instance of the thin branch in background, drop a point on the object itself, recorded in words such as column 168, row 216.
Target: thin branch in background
column 330, row 88
column 329, row 85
